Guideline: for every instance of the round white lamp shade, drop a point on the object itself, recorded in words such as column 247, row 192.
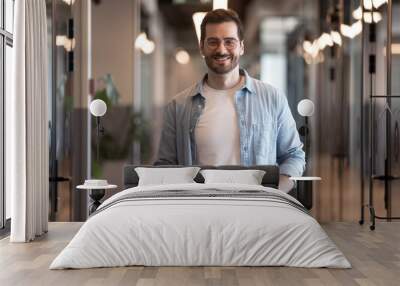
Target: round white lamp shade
column 98, row 107
column 305, row 108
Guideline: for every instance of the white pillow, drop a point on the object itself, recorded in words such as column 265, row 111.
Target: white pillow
column 163, row 176
column 248, row 177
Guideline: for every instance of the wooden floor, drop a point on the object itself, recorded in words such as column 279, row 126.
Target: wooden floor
column 375, row 257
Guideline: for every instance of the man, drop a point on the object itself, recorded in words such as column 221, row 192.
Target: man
column 229, row 118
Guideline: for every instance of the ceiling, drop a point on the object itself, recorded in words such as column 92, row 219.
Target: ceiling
column 179, row 16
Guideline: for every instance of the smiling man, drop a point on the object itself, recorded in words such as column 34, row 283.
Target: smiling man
column 230, row 118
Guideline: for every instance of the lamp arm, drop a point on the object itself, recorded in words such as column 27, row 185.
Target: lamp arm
column 306, row 138
column 304, row 131
column 98, row 137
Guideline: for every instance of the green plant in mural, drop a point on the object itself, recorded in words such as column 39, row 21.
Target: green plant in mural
column 116, row 143
column 109, row 93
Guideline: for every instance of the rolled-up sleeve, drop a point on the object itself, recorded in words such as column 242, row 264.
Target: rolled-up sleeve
column 290, row 155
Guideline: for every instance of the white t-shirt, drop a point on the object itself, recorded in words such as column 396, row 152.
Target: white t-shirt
column 217, row 131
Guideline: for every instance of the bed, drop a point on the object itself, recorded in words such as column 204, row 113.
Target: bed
column 197, row 224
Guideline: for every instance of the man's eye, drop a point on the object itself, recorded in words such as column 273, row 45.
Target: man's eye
column 230, row 43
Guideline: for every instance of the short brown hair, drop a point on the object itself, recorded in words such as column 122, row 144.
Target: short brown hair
column 219, row 16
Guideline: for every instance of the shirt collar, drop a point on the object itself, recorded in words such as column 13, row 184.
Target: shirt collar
column 248, row 83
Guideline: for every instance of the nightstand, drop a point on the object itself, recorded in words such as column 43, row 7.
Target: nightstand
column 305, row 178
column 304, row 184
column 97, row 190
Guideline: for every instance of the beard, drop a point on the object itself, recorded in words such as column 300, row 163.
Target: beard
column 221, row 63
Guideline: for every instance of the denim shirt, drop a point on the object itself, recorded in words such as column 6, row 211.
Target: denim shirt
column 268, row 133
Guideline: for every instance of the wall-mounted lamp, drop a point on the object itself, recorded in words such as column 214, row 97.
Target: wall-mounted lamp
column 98, row 108
column 306, row 109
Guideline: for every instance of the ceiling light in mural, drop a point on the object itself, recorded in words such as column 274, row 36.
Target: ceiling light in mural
column 68, row 44
column 199, row 16
column 182, row 57
column 375, row 3
column 69, row 2
column 144, row 44
column 369, row 16
column 324, row 40
column 312, row 51
column 336, row 37
column 197, row 19
column 220, row 4
column 311, row 48
column 352, row 30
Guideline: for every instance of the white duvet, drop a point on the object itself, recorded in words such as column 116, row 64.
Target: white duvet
column 200, row 231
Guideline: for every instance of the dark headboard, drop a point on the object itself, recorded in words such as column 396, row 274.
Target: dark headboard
column 270, row 179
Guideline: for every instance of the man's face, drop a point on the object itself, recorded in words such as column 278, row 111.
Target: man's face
column 221, row 47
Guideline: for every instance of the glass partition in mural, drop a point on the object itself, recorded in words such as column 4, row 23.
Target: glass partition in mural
column 60, row 105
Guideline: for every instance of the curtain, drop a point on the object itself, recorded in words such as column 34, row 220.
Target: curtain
column 27, row 124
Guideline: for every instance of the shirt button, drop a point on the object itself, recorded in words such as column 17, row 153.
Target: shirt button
column 245, row 148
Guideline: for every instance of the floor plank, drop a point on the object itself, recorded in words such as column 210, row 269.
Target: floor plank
column 375, row 257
